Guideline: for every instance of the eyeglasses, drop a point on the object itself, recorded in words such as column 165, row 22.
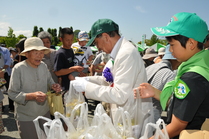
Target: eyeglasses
column 95, row 43
column 98, row 36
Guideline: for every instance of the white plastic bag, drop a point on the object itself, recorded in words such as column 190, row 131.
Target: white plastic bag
column 70, row 128
column 101, row 126
column 71, row 99
column 140, row 116
column 55, row 130
column 159, row 134
column 122, row 123
column 79, row 118
column 41, row 134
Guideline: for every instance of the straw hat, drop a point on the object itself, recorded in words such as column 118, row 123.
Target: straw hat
column 34, row 43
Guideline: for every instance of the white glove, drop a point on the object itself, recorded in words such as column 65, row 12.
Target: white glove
column 79, row 85
column 81, row 78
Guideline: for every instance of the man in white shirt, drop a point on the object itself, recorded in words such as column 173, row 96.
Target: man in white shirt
column 123, row 72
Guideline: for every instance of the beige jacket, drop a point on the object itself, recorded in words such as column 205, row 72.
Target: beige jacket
column 128, row 73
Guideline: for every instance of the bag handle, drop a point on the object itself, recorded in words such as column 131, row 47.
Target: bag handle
column 83, row 117
column 41, row 134
column 165, row 132
column 99, row 109
column 70, row 126
column 56, row 130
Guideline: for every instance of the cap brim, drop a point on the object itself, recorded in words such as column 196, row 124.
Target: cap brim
column 91, row 41
column 163, row 31
column 83, row 39
column 161, row 53
column 168, row 56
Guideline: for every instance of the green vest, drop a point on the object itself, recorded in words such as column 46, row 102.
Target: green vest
column 198, row 63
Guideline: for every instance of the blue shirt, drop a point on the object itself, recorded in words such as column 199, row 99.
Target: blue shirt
column 7, row 59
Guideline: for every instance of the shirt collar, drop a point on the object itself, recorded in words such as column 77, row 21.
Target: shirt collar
column 116, row 48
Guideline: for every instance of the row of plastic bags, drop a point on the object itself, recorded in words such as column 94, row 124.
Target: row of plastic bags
column 78, row 126
column 101, row 127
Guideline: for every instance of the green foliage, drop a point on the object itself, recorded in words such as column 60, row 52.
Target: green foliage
column 2, row 40
column 20, row 37
column 10, row 33
column 76, row 35
column 154, row 39
column 163, row 41
column 10, row 41
column 41, row 29
column 35, row 31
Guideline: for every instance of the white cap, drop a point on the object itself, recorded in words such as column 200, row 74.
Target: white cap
column 83, row 36
column 161, row 51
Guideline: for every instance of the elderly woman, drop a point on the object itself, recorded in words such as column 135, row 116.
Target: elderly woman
column 48, row 58
column 29, row 83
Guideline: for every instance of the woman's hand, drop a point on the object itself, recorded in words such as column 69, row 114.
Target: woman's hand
column 56, row 88
column 40, row 96
column 37, row 96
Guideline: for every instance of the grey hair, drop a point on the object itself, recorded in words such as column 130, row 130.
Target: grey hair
column 44, row 34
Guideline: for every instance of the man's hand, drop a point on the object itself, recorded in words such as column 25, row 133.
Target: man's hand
column 79, row 85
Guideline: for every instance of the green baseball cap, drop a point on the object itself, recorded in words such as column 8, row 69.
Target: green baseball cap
column 101, row 26
column 186, row 24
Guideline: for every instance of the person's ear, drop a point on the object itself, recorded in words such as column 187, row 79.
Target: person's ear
column 192, row 43
column 61, row 39
column 105, row 37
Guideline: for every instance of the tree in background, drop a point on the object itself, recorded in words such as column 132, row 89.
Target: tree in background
column 35, row 31
column 41, row 29
column 76, row 35
column 20, row 37
column 10, row 40
column 154, row 39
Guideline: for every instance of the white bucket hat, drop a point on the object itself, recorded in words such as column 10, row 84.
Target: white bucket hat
column 34, row 43
column 161, row 51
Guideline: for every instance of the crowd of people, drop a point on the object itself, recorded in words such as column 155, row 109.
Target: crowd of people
column 174, row 78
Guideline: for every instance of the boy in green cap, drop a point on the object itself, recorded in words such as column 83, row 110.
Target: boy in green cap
column 188, row 109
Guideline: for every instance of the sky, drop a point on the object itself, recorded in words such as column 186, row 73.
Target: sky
column 134, row 17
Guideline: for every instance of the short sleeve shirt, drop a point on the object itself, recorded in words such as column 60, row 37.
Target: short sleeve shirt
column 63, row 60
column 81, row 54
column 194, row 108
